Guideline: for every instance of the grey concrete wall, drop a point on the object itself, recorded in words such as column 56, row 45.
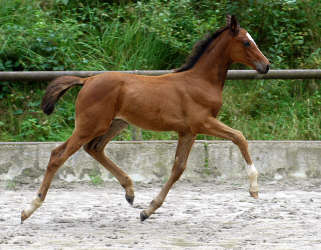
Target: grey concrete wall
column 148, row 161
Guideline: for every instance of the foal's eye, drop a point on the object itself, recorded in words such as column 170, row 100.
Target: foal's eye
column 247, row 44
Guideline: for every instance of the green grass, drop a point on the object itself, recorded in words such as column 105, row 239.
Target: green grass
column 262, row 110
column 273, row 109
column 11, row 185
column 154, row 34
column 95, row 178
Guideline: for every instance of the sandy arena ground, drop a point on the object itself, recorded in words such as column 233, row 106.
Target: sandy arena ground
column 212, row 215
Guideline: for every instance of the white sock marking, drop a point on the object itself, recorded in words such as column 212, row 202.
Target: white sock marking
column 252, row 174
column 33, row 206
column 251, row 170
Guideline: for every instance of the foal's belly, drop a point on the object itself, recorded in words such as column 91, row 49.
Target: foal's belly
column 155, row 121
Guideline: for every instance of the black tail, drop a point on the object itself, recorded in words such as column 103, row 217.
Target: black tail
column 56, row 89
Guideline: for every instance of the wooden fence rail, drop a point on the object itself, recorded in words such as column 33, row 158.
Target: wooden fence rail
column 232, row 74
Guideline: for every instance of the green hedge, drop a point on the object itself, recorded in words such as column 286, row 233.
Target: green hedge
column 158, row 34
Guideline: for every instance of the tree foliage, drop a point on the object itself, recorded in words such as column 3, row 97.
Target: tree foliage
column 158, row 34
column 69, row 34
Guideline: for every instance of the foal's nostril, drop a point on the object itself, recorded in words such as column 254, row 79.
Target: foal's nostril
column 262, row 68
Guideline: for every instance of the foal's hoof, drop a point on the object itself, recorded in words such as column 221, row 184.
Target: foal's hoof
column 255, row 195
column 23, row 216
column 130, row 199
column 143, row 216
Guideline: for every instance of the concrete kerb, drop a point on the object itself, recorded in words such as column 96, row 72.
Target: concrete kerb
column 147, row 161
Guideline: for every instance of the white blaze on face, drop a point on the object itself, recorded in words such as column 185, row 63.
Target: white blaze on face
column 250, row 38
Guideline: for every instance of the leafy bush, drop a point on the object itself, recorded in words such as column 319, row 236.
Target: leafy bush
column 158, row 34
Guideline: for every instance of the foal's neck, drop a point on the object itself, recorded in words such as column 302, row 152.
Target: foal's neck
column 214, row 63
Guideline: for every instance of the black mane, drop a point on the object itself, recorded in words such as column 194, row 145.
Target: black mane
column 199, row 48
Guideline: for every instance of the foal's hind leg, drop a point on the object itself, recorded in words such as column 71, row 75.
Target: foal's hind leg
column 58, row 156
column 216, row 128
column 185, row 143
column 96, row 149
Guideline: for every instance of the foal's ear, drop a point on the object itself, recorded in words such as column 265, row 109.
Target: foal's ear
column 233, row 24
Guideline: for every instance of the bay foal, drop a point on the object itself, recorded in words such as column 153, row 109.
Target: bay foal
column 186, row 101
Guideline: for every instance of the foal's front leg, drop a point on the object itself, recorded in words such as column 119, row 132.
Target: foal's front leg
column 216, row 128
column 184, row 146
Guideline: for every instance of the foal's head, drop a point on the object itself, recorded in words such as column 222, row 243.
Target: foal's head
column 243, row 49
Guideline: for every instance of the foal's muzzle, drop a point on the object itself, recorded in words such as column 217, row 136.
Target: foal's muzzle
column 262, row 68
